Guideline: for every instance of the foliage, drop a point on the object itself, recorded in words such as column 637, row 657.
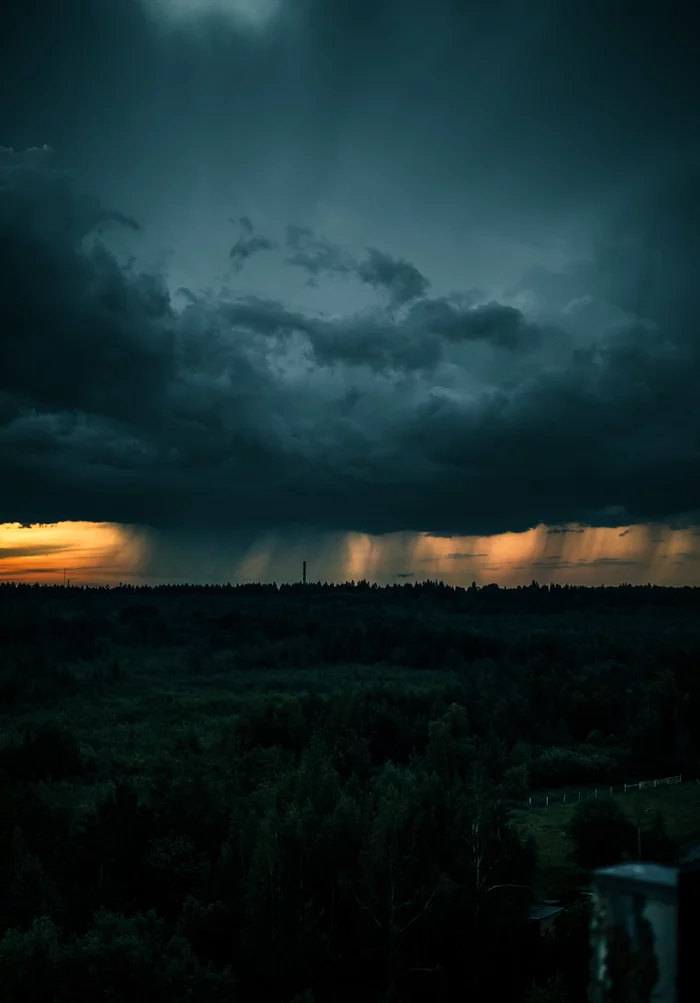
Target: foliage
column 557, row 766
column 552, row 990
column 516, row 781
column 49, row 751
column 306, row 794
column 602, row 832
column 118, row 958
column 655, row 844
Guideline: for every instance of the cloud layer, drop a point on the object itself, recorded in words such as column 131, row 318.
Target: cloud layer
column 461, row 288
column 442, row 414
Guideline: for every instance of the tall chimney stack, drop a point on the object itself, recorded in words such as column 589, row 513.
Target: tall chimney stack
column 304, row 573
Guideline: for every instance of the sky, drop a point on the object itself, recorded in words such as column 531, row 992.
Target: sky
column 403, row 289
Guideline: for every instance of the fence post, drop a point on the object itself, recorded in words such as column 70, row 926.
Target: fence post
column 625, row 788
column 579, row 795
column 547, row 802
column 611, row 792
column 565, row 799
column 531, row 802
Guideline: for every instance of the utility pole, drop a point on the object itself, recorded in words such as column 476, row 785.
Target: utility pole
column 304, row 574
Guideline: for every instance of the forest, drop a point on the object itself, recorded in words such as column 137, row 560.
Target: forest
column 310, row 792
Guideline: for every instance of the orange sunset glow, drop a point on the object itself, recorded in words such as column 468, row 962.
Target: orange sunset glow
column 87, row 553
column 103, row 553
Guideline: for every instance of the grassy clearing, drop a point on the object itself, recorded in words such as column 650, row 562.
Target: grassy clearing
column 679, row 804
column 556, row 871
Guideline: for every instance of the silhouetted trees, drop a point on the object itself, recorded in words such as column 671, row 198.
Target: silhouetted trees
column 602, row 833
column 349, row 833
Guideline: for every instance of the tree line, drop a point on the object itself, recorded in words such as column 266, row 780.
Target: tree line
column 350, row 831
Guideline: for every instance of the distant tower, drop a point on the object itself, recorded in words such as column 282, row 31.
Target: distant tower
column 304, row 574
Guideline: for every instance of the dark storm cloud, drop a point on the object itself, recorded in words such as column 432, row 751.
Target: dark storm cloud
column 458, row 319
column 447, row 413
column 495, row 113
column 118, row 407
column 399, row 279
column 374, row 338
column 316, row 255
column 73, row 322
column 249, row 244
column 114, row 216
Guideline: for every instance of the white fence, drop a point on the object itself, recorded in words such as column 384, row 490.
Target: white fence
column 573, row 797
column 655, row 783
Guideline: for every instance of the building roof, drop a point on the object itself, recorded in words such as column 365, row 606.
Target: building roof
column 542, row 910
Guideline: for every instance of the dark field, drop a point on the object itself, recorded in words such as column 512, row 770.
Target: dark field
column 317, row 792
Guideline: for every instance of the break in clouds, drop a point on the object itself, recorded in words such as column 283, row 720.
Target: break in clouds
column 127, row 395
